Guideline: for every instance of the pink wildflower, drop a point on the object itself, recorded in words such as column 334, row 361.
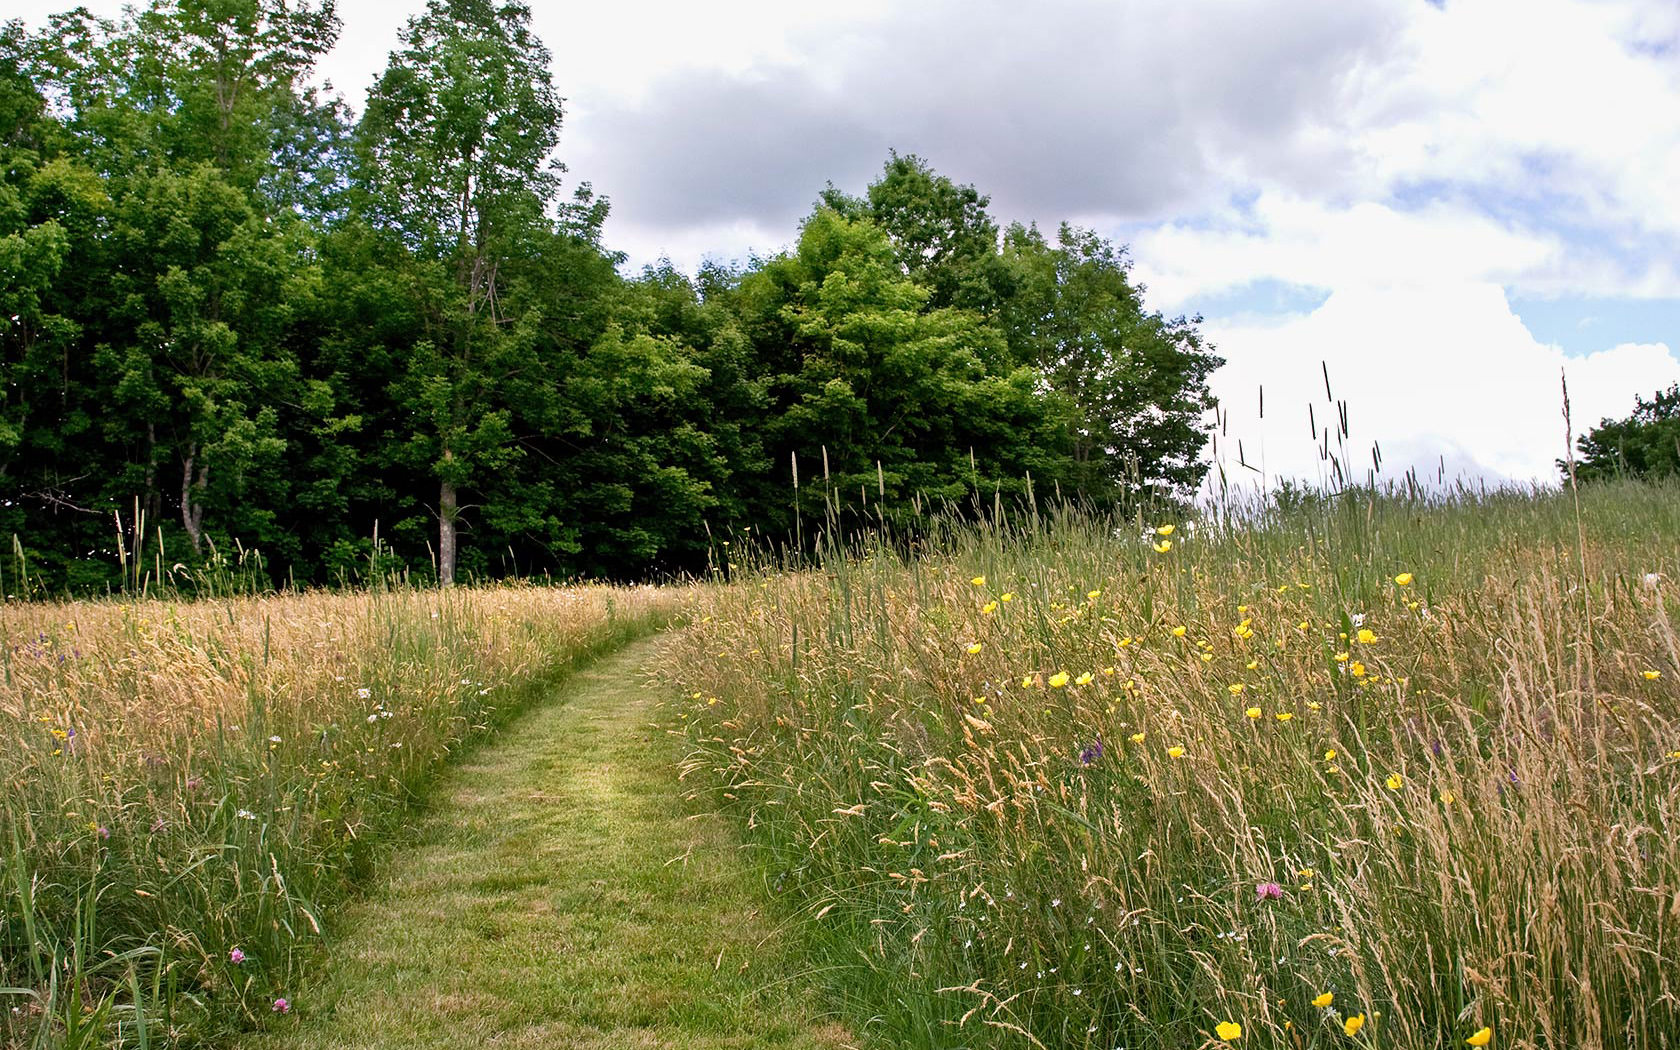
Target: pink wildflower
column 1269, row 890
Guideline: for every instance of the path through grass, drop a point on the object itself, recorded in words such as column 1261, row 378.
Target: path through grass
column 562, row 895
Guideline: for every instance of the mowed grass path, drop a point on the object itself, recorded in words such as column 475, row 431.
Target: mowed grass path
column 561, row 894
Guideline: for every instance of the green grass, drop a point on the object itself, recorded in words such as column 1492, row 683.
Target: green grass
column 562, row 893
column 1471, row 816
column 182, row 780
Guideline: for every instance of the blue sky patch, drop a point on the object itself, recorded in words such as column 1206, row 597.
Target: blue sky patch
column 1582, row 324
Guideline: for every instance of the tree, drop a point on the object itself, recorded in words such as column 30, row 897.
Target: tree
column 941, row 233
column 1646, row 444
column 1138, row 378
column 884, row 399
column 454, row 155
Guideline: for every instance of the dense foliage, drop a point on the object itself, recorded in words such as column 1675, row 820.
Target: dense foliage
column 1644, row 445
column 238, row 319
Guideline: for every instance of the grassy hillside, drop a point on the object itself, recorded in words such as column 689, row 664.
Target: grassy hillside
column 186, row 786
column 1368, row 771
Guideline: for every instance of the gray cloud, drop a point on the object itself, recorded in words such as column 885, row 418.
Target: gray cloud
column 1097, row 111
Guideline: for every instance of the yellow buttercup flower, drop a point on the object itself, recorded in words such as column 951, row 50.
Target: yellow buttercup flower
column 1404, row 579
column 1393, row 782
column 1059, row 679
column 1228, row 1030
column 1253, row 665
column 1324, row 1000
column 989, row 608
column 1353, row 1024
column 1165, row 530
column 1179, row 631
column 1007, row 596
column 1253, row 712
column 1137, row 738
column 1236, row 688
column 1084, row 679
column 1651, row 676
column 1175, row 752
column 1448, row 798
column 1093, row 595
column 1026, row 681
column 978, row 581
column 1284, row 716
column 1330, row 755
column 1357, row 669
column 974, row 648
column 1163, row 547
column 1482, row 1037
column 1367, row 636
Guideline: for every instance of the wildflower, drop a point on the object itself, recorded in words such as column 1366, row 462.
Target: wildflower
column 1236, row 688
column 1026, row 681
column 1059, row 679
column 1253, row 712
column 1652, row 579
column 1268, row 891
column 1163, row 547
column 1165, row 530
column 1175, row 752
column 1341, row 658
column 246, row 814
column 1651, row 676
column 1367, row 636
column 1090, row 752
column 1330, row 755
column 1228, row 1030
column 972, row 649
column 1084, row 679
column 1393, row 782
column 1093, row 595
column 1482, row 1037
column 1137, row 738
column 1253, row 665
column 1180, row 631
column 1007, row 596
column 274, row 740
column 1404, row 579
column 282, row 1006
column 1357, row 668
column 989, row 608
column 364, row 693
column 236, row 957
column 1284, row 716
column 978, row 581
column 1324, row 1000
column 1448, row 798
column 1353, row 1024
column 1314, row 705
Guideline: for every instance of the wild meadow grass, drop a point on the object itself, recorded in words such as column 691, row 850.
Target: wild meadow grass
column 1368, row 770
column 188, row 786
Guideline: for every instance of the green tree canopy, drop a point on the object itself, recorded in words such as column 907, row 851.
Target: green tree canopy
column 1644, row 444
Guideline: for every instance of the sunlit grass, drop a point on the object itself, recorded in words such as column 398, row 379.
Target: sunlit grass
column 187, row 785
column 1370, row 771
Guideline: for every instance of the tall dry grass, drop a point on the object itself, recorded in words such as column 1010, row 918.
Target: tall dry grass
column 186, row 786
column 1059, row 783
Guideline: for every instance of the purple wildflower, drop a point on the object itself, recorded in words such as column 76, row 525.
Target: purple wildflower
column 236, row 957
column 1090, row 752
column 282, row 1006
column 1268, row 891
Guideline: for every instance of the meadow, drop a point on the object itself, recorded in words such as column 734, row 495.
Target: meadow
column 1374, row 769
column 190, row 786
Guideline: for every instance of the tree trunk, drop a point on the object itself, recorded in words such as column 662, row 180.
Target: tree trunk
column 192, row 494
column 447, row 508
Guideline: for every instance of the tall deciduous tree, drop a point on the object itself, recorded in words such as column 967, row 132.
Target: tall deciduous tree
column 1138, row 378
column 1643, row 444
column 455, row 157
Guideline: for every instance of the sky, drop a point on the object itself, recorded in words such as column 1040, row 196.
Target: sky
column 1446, row 206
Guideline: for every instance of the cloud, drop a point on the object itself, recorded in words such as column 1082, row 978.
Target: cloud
column 1426, row 372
